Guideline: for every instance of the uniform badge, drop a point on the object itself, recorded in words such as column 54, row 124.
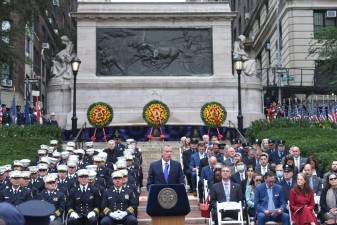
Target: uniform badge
column 55, row 199
column 91, row 197
column 127, row 197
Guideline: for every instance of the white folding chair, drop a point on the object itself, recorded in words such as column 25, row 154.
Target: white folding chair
column 205, row 189
column 288, row 207
column 229, row 206
column 198, row 178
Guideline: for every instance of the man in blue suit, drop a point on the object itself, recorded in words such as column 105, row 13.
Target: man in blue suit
column 166, row 170
column 194, row 164
column 207, row 172
column 269, row 202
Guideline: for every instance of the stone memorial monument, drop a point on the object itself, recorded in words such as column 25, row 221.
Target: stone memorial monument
column 178, row 52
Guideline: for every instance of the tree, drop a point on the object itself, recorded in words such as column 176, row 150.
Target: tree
column 324, row 46
column 15, row 17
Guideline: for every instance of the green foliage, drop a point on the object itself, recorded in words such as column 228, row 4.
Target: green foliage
column 314, row 139
column 325, row 47
column 23, row 142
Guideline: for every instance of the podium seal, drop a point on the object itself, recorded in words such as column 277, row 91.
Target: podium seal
column 167, row 198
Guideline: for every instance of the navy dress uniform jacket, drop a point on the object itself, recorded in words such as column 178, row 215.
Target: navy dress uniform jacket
column 123, row 201
column 57, row 198
column 22, row 195
column 84, row 202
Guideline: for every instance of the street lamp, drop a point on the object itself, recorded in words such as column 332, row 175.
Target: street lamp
column 238, row 67
column 75, row 65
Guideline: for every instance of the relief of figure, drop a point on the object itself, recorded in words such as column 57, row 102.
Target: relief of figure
column 62, row 61
column 239, row 53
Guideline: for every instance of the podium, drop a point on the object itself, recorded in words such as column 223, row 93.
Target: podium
column 167, row 204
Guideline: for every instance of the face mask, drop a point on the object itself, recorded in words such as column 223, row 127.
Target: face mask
column 279, row 174
column 240, row 168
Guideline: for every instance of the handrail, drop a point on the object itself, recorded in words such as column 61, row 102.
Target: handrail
column 242, row 138
column 84, row 125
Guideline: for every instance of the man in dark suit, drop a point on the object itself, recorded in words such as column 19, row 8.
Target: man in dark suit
column 225, row 191
column 194, row 164
column 187, row 155
column 314, row 181
column 264, row 166
column 166, row 170
column 298, row 159
column 269, row 202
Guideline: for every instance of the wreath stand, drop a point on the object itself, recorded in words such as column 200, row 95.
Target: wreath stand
column 94, row 138
column 219, row 135
column 154, row 131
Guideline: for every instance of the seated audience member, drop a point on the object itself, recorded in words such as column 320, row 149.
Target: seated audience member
column 289, row 160
column 302, row 202
column 314, row 167
column 269, row 201
column 314, row 181
column 328, row 200
column 250, row 192
column 225, row 191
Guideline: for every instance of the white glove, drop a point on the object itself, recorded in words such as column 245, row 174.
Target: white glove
column 91, row 214
column 74, row 215
column 121, row 215
column 52, row 218
column 113, row 215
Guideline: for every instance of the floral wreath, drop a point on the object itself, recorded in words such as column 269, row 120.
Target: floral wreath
column 156, row 113
column 99, row 114
column 213, row 114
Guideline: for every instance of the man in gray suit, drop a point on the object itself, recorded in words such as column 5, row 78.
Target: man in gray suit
column 314, row 181
column 298, row 159
column 225, row 191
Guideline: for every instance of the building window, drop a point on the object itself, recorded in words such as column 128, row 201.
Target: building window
column 5, row 29
column 5, row 71
column 324, row 18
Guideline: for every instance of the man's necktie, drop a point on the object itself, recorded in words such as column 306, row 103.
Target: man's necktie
column 227, row 192
column 166, row 172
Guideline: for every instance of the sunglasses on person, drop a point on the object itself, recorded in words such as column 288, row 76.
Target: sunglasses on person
column 258, row 180
column 51, row 182
column 333, row 178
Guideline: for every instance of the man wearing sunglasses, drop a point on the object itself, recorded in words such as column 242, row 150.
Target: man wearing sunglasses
column 54, row 196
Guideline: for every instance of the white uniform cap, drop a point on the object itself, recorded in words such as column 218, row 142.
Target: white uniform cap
column 73, row 158
column 2, row 169
column 82, row 172
column 103, row 155
column 65, row 154
column 17, row 163
column 69, row 148
column 72, row 163
column 121, row 164
column 129, row 157
column 117, row 174
column 111, row 141
column 25, row 174
column 129, row 151
column 15, row 173
column 62, row 168
column 25, row 162
column 54, row 142
column 89, row 144
column 56, row 154
column 129, row 141
column 42, row 166
column 44, row 160
column 90, row 151
column 96, row 158
column 49, row 178
column 41, row 152
column 71, row 144
column 53, row 160
column 44, row 147
column 124, row 172
column 91, row 167
column 79, row 151
column 8, row 167
column 98, row 150
column 121, row 158
column 33, row 169
column 50, row 149
column 92, row 174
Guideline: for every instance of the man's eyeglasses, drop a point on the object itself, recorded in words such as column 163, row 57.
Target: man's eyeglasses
column 333, row 178
column 258, row 180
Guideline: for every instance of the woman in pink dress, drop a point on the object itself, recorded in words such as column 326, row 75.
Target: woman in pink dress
column 302, row 202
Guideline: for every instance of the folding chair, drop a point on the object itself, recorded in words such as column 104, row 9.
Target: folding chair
column 205, row 189
column 288, row 207
column 198, row 178
column 229, row 206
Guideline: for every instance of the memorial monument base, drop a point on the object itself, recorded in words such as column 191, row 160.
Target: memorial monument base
column 168, row 220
